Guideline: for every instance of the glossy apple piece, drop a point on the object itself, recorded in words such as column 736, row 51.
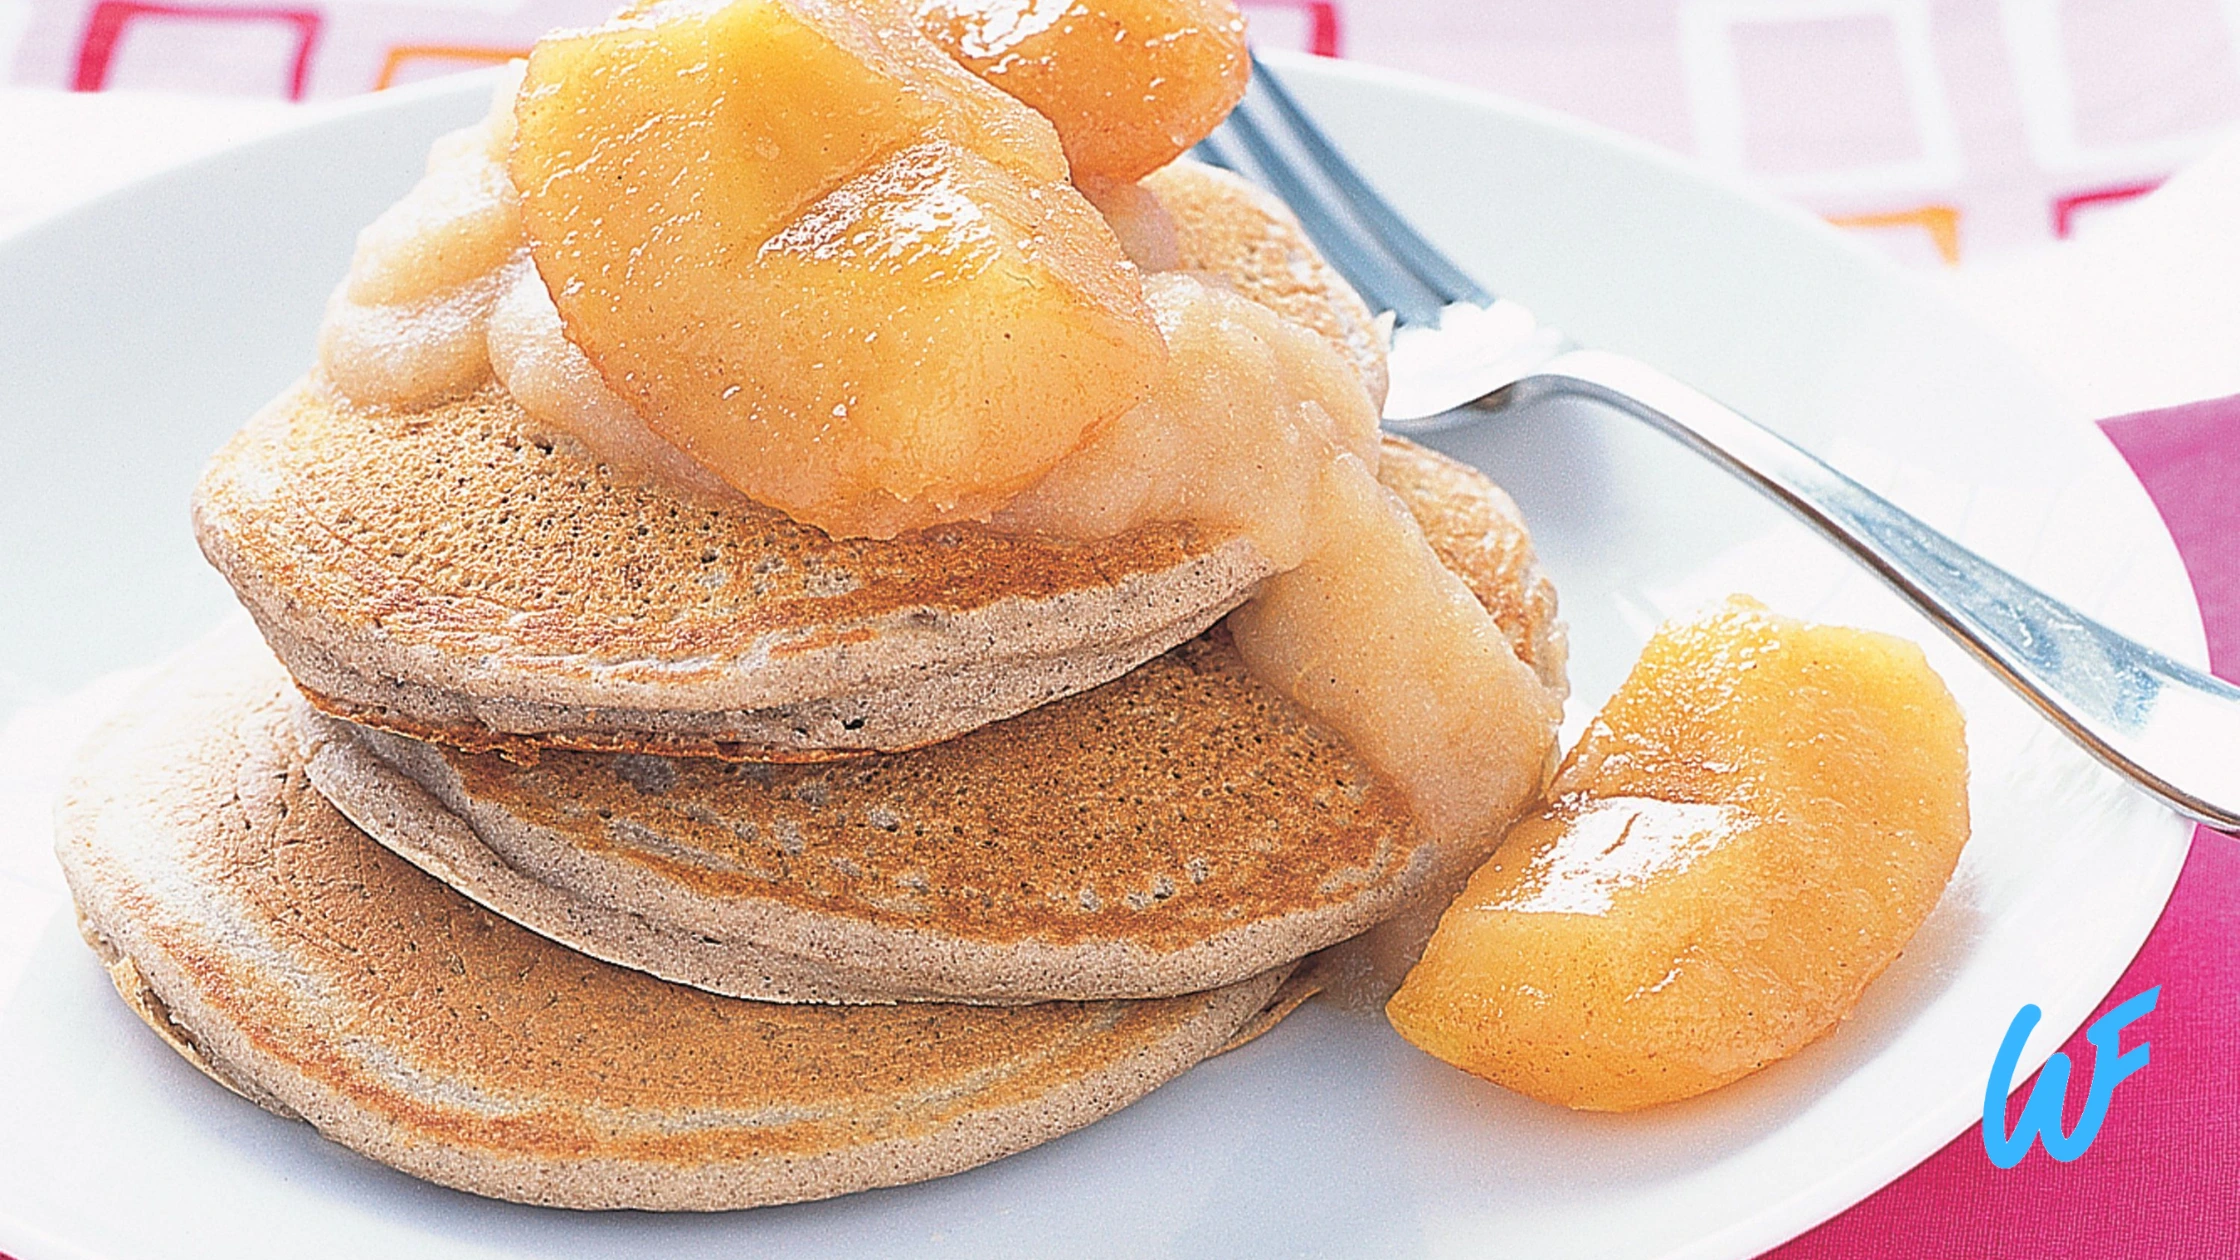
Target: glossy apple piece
column 1746, row 836
column 841, row 273
column 1130, row 84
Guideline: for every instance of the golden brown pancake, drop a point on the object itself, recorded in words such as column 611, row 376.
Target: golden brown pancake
column 456, row 575
column 1180, row 827
column 463, row 574
column 315, row 972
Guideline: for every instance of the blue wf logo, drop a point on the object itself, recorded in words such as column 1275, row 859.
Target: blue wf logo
column 2041, row 1114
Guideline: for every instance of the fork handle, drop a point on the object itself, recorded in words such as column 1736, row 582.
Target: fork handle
column 2163, row 724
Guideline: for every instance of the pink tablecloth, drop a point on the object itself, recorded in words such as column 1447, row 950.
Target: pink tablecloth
column 2163, row 1179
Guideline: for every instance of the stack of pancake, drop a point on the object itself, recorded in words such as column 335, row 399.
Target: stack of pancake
column 583, row 839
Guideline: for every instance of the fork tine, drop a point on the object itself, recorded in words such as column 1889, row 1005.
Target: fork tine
column 1434, row 269
column 1357, row 255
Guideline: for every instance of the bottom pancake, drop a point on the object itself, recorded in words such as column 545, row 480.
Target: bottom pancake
column 310, row 969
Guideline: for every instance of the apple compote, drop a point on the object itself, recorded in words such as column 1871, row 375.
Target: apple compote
column 1129, row 84
column 1745, row 837
column 406, row 327
column 814, row 253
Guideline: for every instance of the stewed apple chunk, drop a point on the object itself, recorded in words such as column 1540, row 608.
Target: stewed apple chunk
column 1745, row 837
column 882, row 284
column 840, row 272
column 1131, row 84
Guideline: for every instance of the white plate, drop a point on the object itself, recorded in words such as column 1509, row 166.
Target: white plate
column 137, row 331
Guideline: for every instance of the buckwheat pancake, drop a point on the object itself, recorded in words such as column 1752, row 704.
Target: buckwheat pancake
column 456, row 574
column 315, row 972
column 1180, row 827
column 465, row 573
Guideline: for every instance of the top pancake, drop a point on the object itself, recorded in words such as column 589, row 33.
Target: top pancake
column 459, row 574
column 307, row 967
column 456, row 575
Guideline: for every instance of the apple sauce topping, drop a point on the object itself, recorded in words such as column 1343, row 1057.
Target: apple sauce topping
column 788, row 245
column 407, row 324
column 1259, row 426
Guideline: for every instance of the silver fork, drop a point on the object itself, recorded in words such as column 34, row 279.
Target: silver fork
column 2164, row 725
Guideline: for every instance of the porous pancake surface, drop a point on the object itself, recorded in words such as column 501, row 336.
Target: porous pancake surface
column 1181, row 826
column 310, row 968
column 1185, row 787
column 455, row 573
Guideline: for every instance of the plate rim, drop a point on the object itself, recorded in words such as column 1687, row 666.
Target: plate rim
column 1766, row 1227
column 307, row 114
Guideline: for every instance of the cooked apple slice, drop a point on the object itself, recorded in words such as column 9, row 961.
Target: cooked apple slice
column 843, row 274
column 1131, row 84
column 1746, row 836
